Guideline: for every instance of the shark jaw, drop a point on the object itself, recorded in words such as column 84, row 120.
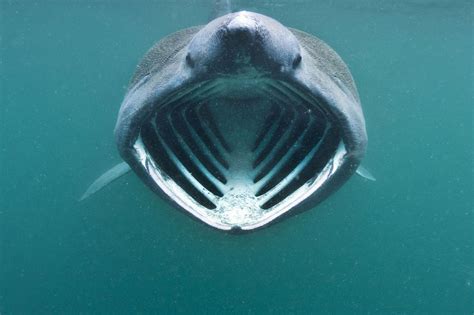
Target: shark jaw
column 239, row 152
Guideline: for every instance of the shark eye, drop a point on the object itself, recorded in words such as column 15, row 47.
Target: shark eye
column 297, row 61
column 189, row 60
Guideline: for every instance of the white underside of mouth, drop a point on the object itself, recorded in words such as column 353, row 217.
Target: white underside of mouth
column 240, row 161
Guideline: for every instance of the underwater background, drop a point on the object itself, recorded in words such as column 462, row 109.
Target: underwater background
column 401, row 245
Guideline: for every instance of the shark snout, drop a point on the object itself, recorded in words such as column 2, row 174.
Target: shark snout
column 242, row 45
column 242, row 41
column 242, row 26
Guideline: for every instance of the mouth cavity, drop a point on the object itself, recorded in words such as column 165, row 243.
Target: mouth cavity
column 239, row 153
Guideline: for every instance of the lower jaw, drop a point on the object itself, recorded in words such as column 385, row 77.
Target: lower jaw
column 239, row 162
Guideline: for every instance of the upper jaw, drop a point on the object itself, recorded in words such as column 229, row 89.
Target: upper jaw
column 227, row 182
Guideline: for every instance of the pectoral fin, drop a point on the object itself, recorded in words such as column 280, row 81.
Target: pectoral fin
column 106, row 178
column 362, row 171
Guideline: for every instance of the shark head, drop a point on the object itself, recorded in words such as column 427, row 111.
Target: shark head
column 242, row 121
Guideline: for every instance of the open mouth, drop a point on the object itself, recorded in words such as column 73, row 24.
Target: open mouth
column 239, row 153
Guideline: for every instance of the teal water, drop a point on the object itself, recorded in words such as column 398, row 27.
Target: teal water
column 401, row 245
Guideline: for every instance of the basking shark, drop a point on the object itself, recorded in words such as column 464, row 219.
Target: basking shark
column 240, row 122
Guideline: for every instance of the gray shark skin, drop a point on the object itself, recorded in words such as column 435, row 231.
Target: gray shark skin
column 242, row 121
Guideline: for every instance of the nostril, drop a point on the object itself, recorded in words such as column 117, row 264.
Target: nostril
column 189, row 60
column 297, row 61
